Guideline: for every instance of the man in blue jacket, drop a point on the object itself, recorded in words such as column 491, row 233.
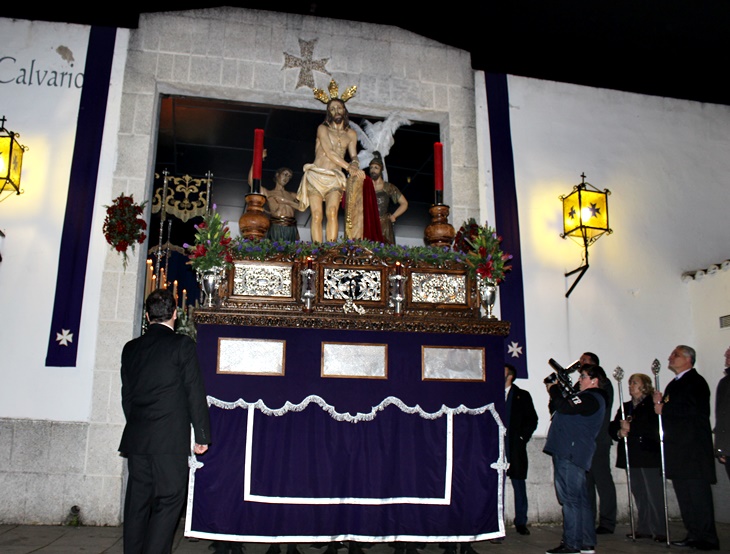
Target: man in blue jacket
column 571, row 441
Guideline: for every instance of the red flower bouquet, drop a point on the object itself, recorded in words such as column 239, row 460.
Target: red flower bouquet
column 482, row 247
column 212, row 244
column 123, row 226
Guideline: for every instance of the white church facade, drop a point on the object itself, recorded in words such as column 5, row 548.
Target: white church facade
column 659, row 280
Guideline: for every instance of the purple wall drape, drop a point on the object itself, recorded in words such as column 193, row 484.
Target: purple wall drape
column 512, row 298
column 76, row 234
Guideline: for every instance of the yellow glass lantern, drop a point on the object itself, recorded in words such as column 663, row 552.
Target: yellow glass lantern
column 11, row 159
column 585, row 218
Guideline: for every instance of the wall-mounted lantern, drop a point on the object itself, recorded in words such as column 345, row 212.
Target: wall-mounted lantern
column 11, row 159
column 585, row 218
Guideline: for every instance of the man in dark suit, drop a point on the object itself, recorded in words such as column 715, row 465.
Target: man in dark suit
column 521, row 422
column 162, row 396
column 685, row 412
column 722, row 417
column 599, row 478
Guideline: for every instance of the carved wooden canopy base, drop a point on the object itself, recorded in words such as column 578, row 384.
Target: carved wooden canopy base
column 366, row 322
column 353, row 289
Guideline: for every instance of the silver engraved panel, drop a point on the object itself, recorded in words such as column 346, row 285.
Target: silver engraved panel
column 453, row 364
column 355, row 360
column 354, row 284
column 262, row 280
column 251, row 356
column 438, row 288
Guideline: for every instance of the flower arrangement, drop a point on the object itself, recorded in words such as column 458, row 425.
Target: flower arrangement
column 124, row 226
column 482, row 246
column 212, row 244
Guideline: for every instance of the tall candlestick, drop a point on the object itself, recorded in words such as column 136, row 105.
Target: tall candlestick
column 438, row 165
column 184, row 300
column 174, row 290
column 258, row 158
column 148, row 279
column 438, row 172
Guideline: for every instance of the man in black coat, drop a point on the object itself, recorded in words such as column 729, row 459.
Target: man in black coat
column 162, row 396
column 685, row 412
column 722, row 417
column 599, row 478
column 521, row 422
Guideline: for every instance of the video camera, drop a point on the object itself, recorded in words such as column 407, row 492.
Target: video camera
column 561, row 376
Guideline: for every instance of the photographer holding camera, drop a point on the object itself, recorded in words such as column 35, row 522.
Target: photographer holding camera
column 571, row 441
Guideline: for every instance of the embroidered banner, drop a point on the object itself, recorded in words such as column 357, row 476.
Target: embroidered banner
column 66, row 318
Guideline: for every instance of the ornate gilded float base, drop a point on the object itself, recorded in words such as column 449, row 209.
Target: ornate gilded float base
column 424, row 323
column 350, row 287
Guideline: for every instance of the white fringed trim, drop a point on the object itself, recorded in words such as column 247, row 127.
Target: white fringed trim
column 339, row 416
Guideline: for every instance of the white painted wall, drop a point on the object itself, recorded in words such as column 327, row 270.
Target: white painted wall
column 710, row 299
column 665, row 163
column 45, row 117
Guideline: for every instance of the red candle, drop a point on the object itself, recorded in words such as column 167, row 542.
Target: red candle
column 309, row 262
column 398, row 268
column 438, row 165
column 258, row 152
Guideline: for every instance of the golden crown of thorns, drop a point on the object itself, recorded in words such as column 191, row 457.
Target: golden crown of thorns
column 334, row 90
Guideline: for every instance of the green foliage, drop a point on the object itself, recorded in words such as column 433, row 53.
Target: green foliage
column 265, row 249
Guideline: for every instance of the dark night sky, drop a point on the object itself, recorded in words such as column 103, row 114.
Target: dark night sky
column 675, row 48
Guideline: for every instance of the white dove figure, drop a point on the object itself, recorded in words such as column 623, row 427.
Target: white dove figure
column 377, row 136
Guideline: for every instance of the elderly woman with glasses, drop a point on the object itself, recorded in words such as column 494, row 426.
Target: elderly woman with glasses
column 640, row 430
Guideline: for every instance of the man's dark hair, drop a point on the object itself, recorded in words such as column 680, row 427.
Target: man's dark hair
column 160, row 305
column 511, row 370
column 594, row 371
column 282, row 170
column 345, row 118
column 593, row 357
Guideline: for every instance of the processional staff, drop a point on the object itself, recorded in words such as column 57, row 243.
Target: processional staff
column 163, row 211
column 618, row 374
column 209, row 181
column 655, row 367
